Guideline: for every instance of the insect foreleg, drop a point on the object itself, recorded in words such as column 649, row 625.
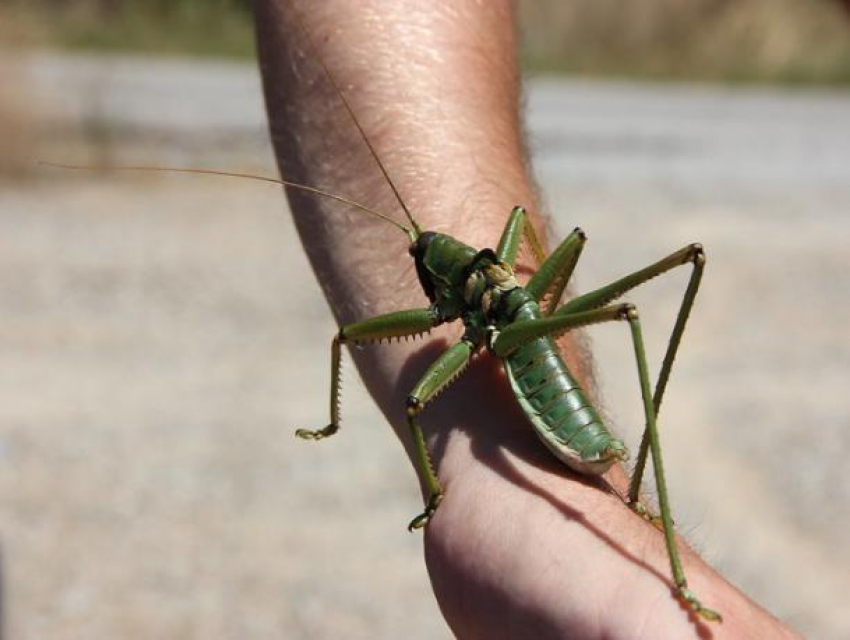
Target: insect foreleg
column 440, row 375
column 333, row 426
column 693, row 254
column 520, row 333
column 391, row 325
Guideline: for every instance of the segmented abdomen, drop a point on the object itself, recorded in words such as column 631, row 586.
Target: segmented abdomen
column 557, row 407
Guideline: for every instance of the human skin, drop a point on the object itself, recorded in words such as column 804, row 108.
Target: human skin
column 520, row 546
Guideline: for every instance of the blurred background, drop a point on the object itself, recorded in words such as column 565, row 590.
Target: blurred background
column 156, row 351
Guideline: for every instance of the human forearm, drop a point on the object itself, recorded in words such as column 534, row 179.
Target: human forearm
column 519, row 543
column 438, row 101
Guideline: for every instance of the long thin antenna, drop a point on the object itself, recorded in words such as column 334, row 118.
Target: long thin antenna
column 300, row 22
column 235, row 174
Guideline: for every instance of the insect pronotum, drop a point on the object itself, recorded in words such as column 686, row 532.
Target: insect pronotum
column 517, row 324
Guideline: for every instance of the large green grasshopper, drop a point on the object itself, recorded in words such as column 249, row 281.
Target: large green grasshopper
column 518, row 324
column 479, row 289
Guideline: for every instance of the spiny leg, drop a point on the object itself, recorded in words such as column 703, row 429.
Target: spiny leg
column 516, row 335
column 519, row 226
column 694, row 254
column 439, row 375
column 391, row 325
column 333, row 426
column 554, row 271
column 554, row 274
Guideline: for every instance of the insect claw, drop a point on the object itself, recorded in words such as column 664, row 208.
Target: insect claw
column 319, row 434
column 710, row 615
column 418, row 522
column 422, row 519
column 694, row 605
column 640, row 508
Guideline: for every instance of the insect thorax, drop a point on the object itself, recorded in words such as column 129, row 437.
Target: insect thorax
column 493, row 296
column 462, row 283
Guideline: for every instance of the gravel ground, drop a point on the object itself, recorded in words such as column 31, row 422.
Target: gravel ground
column 153, row 363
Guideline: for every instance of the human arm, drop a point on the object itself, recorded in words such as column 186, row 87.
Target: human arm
column 519, row 547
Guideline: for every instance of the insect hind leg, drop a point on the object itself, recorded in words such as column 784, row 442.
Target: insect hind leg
column 516, row 335
column 693, row 254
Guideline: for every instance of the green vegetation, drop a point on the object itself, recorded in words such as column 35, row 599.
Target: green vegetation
column 788, row 41
column 221, row 28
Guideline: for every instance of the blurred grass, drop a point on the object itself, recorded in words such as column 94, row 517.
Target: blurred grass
column 786, row 41
column 18, row 105
column 775, row 41
column 783, row 41
column 208, row 28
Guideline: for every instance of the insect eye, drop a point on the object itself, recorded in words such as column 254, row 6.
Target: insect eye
column 412, row 249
